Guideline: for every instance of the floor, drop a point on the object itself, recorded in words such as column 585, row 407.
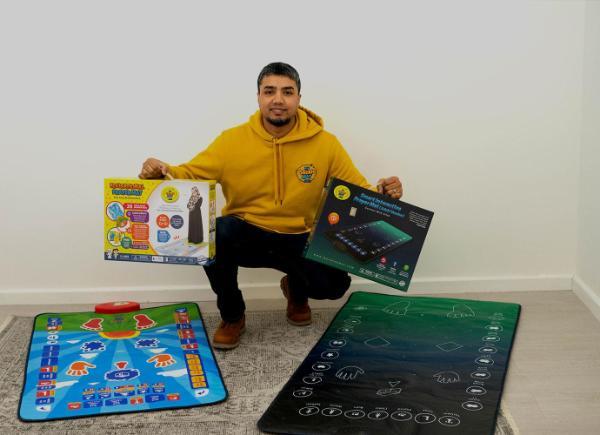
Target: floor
column 553, row 383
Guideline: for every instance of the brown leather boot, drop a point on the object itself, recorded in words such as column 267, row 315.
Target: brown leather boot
column 227, row 335
column 297, row 314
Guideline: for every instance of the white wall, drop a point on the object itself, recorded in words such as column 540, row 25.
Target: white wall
column 475, row 105
column 587, row 277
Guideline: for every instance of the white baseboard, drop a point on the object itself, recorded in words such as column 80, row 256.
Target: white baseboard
column 588, row 296
column 270, row 290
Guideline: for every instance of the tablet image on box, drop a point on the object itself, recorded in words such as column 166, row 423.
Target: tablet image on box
column 368, row 234
column 366, row 241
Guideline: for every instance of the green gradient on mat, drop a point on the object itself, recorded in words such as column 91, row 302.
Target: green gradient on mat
column 398, row 364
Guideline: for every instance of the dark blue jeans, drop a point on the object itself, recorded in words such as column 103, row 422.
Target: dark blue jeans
column 242, row 244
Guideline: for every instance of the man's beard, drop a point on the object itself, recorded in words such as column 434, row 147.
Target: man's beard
column 279, row 122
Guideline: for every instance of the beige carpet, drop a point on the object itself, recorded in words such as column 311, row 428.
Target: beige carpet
column 254, row 373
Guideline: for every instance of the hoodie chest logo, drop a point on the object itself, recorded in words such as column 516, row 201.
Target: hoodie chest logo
column 306, row 173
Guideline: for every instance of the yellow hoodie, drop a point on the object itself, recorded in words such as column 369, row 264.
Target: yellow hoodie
column 273, row 183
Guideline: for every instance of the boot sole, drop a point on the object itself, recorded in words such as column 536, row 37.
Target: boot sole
column 302, row 323
column 228, row 346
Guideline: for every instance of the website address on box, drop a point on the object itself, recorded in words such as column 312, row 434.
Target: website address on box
column 378, row 276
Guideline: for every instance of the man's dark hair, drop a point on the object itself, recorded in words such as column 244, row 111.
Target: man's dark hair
column 279, row 69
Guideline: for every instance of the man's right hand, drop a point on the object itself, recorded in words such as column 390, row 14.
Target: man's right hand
column 153, row 168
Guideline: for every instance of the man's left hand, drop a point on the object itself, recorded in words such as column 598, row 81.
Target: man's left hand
column 390, row 186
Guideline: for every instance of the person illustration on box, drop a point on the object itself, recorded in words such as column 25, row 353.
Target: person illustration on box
column 272, row 170
column 195, row 226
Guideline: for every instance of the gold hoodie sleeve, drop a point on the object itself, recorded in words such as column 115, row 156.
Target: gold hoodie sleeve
column 342, row 167
column 207, row 165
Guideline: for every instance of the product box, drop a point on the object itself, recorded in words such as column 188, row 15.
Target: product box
column 159, row 221
column 368, row 234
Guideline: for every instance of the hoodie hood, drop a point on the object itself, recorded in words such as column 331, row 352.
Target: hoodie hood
column 307, row 125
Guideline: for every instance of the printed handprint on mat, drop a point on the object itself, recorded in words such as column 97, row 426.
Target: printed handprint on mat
column 80, row 368
column 349, row 373
column 162, row 360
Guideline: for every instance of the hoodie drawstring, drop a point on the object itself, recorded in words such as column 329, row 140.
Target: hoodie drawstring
column 281, row 166
column 278, row 170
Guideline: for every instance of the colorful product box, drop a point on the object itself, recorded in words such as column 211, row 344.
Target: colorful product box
column 159, row 221
column 368, row 234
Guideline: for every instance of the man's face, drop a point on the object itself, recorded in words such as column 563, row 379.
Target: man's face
column 278, row 100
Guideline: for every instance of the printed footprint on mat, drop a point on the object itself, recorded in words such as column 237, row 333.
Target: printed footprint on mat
column 461, row 311
column 397, row 309
column 93, row 324
column 447, row 377
column 142, row 321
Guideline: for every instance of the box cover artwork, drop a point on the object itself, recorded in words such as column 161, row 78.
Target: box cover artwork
column 368, row 234
column 159, row 221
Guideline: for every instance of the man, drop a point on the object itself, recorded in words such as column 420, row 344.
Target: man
column 272, row 169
